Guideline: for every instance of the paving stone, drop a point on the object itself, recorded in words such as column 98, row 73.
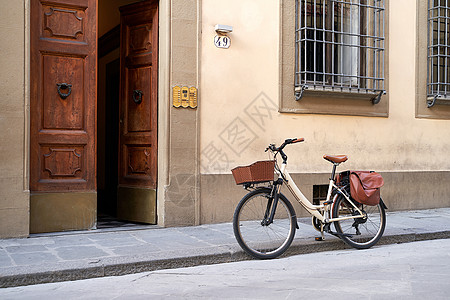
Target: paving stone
column 35, row 258
column 112, row 241
column 5, row 260
column 71, row 240
column 152, row 236
column 80, row 252
column 141, row 249
column 26, row 248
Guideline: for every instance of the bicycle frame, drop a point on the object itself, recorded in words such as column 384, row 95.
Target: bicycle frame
column 315, row 210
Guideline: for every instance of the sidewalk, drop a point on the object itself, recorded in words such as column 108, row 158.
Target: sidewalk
column 88, row 254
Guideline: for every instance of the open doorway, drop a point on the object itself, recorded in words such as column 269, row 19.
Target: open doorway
column 77, row 167
column 109, row 153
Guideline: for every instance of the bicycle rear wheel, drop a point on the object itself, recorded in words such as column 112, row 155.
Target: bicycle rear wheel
column 253, row 235
column 361, row 233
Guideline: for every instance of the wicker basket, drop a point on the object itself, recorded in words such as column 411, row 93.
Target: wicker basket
column 260, row 171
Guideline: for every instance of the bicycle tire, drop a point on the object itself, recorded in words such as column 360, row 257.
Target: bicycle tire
column 370, row 228
column 264, row 241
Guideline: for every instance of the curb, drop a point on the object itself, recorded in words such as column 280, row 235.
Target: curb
column 301, row 246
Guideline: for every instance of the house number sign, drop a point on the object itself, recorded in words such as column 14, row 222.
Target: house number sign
column 222, row 41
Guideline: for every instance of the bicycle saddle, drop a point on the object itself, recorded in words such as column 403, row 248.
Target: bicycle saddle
column 336, row 158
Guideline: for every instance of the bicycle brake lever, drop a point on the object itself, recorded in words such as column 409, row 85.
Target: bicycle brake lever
column 271, row 148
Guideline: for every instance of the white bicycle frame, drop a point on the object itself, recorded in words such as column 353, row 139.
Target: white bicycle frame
column 316, row 210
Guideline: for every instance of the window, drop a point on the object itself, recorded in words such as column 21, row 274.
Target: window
column 432, row 52
column 339, row 47
column 320, row 192
column 438, row 69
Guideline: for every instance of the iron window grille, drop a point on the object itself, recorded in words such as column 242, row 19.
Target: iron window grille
column 438, row 70
column 340, row 46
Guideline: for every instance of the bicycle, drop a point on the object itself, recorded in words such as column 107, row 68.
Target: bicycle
column 264, row 222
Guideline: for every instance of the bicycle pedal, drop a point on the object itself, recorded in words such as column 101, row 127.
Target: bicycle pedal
column 319, row 239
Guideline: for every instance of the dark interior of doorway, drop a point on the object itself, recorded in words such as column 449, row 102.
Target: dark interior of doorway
column 108, row 129
column 107, row 196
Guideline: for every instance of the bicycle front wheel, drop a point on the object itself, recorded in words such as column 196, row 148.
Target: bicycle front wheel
column 360, row 233
column 251, row 231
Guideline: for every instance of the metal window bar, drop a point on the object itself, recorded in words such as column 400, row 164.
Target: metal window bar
column 339, row 46
column 438, row 52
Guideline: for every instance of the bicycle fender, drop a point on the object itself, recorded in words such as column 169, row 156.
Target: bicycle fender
column 382, row 204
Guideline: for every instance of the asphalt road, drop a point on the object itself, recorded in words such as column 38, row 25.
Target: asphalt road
column 419, row 270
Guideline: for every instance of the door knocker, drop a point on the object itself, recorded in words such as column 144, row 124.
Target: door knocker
column 64, row 86
column 137, row 96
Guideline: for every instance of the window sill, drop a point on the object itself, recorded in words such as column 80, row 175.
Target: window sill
column 338, row 94
column 440, row 110
column 334, row 103
column 432, row 101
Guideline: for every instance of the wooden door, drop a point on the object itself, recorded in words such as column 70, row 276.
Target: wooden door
column 63, row 95
column 138, row 112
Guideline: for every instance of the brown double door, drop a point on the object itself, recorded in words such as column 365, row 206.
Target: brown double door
column 63, row 116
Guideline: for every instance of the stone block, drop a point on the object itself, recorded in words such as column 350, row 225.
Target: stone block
column 14, row 222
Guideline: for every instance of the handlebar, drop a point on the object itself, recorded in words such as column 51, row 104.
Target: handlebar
column 273, row 148
column 293, row 141
column 286, row 142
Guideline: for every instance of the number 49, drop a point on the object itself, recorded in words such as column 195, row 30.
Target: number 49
column 222, row 41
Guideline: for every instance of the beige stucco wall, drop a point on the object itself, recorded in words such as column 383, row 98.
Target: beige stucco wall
column 233, row 78
column 14, row 195
column 237, row 81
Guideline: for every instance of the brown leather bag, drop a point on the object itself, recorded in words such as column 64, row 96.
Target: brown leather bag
column 365, row 187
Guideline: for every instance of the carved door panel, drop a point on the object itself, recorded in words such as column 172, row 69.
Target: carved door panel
column 138, row 112
column 63, row 95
